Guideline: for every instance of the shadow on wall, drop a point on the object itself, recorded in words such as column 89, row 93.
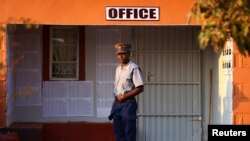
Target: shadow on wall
column 240, row 104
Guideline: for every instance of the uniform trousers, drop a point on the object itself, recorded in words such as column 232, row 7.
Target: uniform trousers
column 124, row 120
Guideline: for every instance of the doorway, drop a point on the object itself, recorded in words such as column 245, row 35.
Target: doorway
column 170, row 106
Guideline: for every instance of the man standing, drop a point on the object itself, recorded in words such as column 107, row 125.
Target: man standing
column 128, row 84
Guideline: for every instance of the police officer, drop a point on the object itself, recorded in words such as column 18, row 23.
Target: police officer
column 128, row 84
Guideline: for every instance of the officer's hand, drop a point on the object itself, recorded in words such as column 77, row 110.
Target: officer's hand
column 121, row 98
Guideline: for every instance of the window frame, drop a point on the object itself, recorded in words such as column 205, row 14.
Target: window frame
column 51, row 53
column 47, row 52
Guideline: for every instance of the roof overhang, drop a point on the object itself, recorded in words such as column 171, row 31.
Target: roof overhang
column 89, row 12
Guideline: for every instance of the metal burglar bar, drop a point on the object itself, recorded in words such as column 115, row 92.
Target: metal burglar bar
column 105, row 68
column 64, row 57
column 28, row 84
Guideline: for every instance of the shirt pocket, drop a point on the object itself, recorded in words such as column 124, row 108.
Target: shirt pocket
column 129, row 81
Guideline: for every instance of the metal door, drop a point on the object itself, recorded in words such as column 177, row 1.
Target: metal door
column 170, row 106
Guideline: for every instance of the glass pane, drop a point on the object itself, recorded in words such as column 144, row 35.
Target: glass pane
column 64, row 70
column 64, row 47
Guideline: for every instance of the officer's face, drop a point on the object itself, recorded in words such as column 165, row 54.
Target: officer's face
column 123, row 57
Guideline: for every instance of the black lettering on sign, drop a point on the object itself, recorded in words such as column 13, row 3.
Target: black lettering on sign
column 121, row 12
column 132, row 13
column 143, row 13
column 112, row 13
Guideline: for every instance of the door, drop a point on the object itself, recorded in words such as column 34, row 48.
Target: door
column 170, row 106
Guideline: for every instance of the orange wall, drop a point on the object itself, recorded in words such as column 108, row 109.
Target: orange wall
column 2, row 77
column 241, row 87
column 88, row 12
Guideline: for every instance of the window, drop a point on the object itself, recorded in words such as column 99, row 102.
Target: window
column 63, row 53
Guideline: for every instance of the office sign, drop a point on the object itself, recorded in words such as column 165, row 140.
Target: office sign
column 133, row 13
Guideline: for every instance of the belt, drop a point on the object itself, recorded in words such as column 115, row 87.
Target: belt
column 127, row 100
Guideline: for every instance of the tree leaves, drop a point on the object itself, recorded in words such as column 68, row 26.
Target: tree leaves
column 221, row 19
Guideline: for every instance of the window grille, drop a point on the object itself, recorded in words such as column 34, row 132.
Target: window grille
column 64, row 53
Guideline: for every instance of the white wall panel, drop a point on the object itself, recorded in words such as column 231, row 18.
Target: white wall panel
column 68, row 98
column 27, row 65
column 106, row 64
column 105, row 68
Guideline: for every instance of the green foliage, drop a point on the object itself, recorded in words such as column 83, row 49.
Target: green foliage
column 221, row 19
